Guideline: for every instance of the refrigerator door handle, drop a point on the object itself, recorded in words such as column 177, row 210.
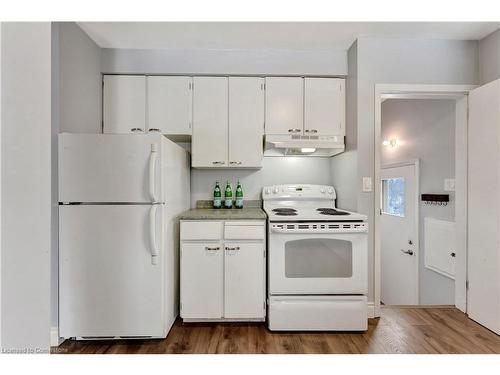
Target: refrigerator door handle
column 152, row 172
column 152, row 234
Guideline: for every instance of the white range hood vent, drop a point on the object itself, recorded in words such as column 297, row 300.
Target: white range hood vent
column 303, row 145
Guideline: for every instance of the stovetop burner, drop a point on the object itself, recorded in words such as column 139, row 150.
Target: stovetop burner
column 331, row 211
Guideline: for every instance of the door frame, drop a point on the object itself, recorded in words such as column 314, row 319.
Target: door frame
column 459, row 93
column 416, row 164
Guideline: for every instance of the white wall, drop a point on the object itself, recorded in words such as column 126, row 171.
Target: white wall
column 426, row 130
column 80, row 80
column 489, row 58
column 344, row 165
column 395, row 60
column 275, row 170
column 26, row 185
column 260, row 62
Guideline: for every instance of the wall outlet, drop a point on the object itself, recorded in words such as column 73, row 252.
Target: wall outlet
column 367, row 184
column 449, row 184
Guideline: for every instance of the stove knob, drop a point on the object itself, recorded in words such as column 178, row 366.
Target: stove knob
column 322, row 190
column 276, row 190
column 330, row 191
column 268, row 191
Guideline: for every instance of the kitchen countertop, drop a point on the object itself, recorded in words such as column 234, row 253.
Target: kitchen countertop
column 251, row 211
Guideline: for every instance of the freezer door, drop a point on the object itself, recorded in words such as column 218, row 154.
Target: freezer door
column 110, row 168
column 108, row 283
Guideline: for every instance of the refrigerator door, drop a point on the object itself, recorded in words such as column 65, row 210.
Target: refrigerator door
column 110, row 168
column 109, row 285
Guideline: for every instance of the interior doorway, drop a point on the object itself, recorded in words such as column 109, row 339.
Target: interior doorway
column 455, row 95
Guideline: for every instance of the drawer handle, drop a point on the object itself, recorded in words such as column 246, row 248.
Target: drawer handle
column 232, row 248
column 235, row 162
column 294, row 130
column 311, row 131
column 135, row 130
column 154, row 130
column 212, row 248
column 219, row 162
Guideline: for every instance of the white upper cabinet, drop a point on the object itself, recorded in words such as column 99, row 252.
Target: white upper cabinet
column 210, row 122
column 324, row 106
column 246, row 121
column 284, row 105
column 169, row 104
column 124, row 104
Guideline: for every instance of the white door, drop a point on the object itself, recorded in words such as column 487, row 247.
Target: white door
column 324, row 106
column 201, row 280
column 284, row 105
column 124, row 104
column 210, row 122
column 110, row 168
column 108, row 285
column 244, row 280
column 246, row 121
column 170, row 104
column 483, row 296
column 399, row 261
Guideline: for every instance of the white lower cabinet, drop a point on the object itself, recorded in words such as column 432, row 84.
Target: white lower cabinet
column 224, row 279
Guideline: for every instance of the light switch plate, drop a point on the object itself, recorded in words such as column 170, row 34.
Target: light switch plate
column 449, row 184
column 367, row 184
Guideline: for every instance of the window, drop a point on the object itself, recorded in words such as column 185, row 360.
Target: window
column 393, row 196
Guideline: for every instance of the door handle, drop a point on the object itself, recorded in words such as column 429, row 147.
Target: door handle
column 152, row 171
column 207, row 248
column 135, row 130
column 294, row 130
column 235, row 162
column 218, row 162
column 232, row 248
column 152, row 234
column 408, row 252
column 311, row 131
column 154, row 130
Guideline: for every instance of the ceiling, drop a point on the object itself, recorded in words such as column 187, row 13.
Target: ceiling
column 271, row 35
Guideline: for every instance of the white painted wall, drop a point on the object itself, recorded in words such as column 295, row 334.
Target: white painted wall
column 259, row 62
column 489, row 58
column 426, row 130
column 80, row 80
column 395, row 60
column 26, row 185
column 275, row 170
column 344, row 165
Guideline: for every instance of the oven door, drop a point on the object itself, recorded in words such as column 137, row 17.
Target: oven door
column 318, row 263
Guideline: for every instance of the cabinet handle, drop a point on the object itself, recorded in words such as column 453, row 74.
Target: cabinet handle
column 135, row 130
column 154, row 130
column 218, row 162
column 232, row 248
column 212, row 248
column 294, row 130
column 235, row 162
column 311, row 131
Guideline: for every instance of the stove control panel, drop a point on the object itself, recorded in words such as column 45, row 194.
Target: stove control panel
column 298, row 191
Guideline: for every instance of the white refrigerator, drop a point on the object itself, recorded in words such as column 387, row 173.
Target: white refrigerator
column 119, row 198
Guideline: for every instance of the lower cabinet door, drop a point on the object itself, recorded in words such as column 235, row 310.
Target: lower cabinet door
column 244, row 280
column 201, row 280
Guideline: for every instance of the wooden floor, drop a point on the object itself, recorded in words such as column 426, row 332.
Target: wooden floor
column 398, row 330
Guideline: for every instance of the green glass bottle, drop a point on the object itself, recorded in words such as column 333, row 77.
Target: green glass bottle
column 238, row 203
column 217, row 196
column 228, row 196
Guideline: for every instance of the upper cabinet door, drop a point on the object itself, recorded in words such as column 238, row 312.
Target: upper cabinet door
column 246, row 121
column 324, row 108
column 170, row 104
column 284, row 105
column 124, row 104
column 210, row 122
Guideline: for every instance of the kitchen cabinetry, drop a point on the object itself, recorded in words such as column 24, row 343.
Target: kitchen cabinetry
column 169, row 104
column 124, row 100
column 305, row 106
column 228, row 122
column 324, row 106
column 223, row 270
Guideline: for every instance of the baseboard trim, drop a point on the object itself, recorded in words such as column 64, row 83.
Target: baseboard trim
column 371, row 309
column 55, row 340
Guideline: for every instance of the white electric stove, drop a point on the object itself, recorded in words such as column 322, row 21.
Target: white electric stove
column 317, row 260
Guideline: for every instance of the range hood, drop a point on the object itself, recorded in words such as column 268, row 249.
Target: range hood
column 303, row 145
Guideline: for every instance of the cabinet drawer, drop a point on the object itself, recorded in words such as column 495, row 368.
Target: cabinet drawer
column 201, row 230
column 244, row 231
